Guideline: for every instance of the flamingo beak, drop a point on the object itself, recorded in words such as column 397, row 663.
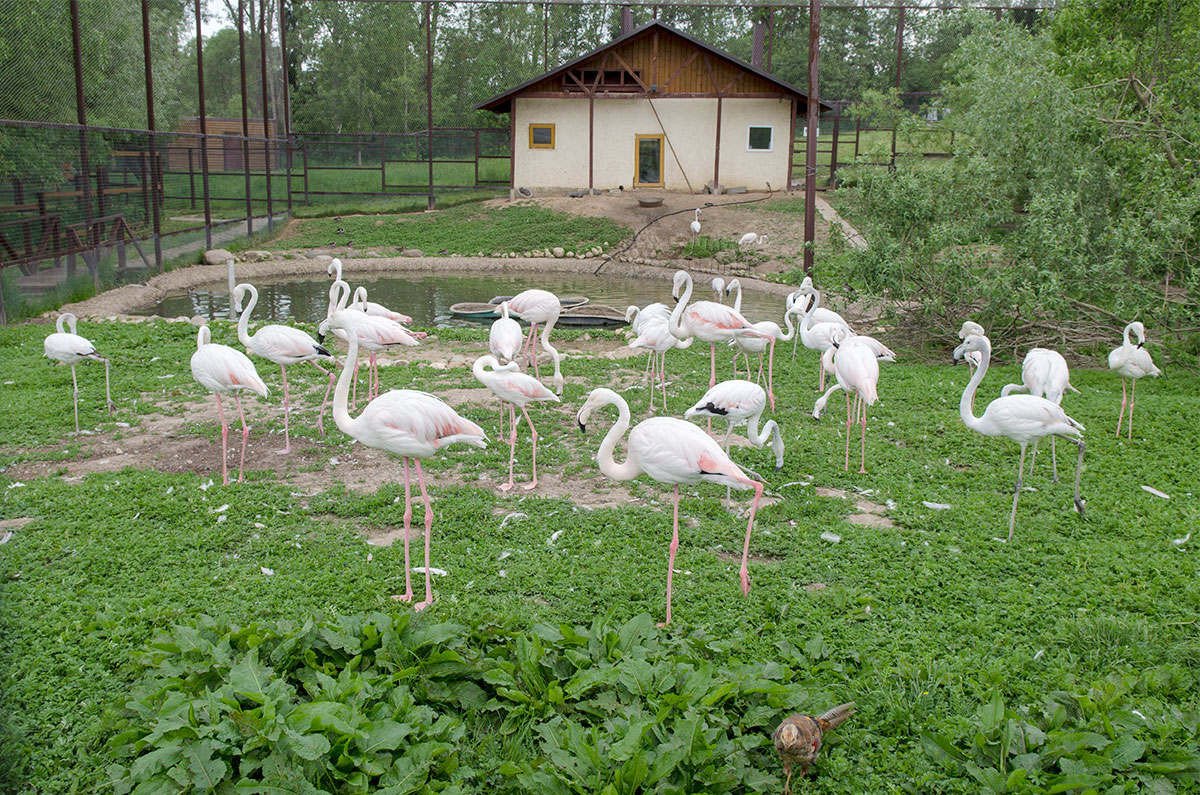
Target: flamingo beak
column 582, row 427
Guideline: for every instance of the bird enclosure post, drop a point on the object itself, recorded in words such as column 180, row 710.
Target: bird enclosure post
column 241, row 22
column 266, row 104
column 203, row 129
column 810, row 138
column 429, row 96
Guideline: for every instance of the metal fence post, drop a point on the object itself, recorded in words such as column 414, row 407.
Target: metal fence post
column 241, row 22
column 84, row 165
column 429, row 94
column 150, row 172
column 203, row 132
column 266, row 104
column 810, row 146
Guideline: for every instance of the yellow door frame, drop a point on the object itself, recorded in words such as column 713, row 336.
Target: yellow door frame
column 637, row 153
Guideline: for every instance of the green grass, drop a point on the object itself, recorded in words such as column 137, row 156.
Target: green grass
column 921, row 624
column 466, row 230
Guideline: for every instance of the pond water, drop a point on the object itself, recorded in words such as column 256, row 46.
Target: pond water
column 428, row 299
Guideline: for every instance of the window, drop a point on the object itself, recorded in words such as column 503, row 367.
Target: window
column 758, row 139
column 541, row 136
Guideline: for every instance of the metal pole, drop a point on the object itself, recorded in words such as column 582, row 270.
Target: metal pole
column 266, row 104
column 287, row 108
column 810, row 144
column 833, row 155
column 899, row 56
column 81, row 114
column 150, row 124
column 245, row 116
column 429, row 94
column 203, row 132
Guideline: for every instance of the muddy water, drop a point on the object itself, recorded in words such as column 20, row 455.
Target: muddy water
column 428, row 299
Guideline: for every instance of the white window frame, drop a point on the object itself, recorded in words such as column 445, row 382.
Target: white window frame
column 770, row 127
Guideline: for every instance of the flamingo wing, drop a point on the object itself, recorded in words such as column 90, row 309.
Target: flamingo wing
column 285, row 345
column 409, row 422
column 1025, row 418
column 670, row 450
column 735, row 398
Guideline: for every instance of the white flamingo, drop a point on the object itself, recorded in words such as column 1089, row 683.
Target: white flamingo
column 705, row 320
column 224, row 371
column 406, row 423
column 1043, row 373
column 695, row 225
column 376, row 334
column 753, row 238
column 770, row 333
column 816, row 336
column 67, row 347
column 857, row 373
column 539, row 306
column 505, row 336
column 1131, row 361
column 657, row 339
column 741, row 402
column 1022, row 418
column 361, row 303
column 282, row 345
column 718, row 285
column 820, row 314
column 638, row 319
column 670, row 451
column 516, row 389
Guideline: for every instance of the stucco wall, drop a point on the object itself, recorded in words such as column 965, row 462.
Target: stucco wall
column 689, row 125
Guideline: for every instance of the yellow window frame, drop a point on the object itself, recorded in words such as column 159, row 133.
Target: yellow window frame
column 637, row 149
column 532, row 127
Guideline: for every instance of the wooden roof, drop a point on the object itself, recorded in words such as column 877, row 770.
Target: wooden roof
column 653, row 60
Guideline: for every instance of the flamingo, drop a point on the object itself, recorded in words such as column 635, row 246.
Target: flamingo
column 539, row 306
column 753, row 238
column 406, row 423
column 360, row 302
column 515, row 389
column 1133, row 362
column 770, row 332
column 505, row 337
column 704, row 320
column 67, row 347
column 819, row 314
column 857, row 372
column 816, row 336
column 735, row 288
column 223, row 371
column 378, row 334
column 695, row 226
column 670, row 451
column 656, row 337
column 741, row 403
column 282, row 345
column 718, row 285
column 1044, row 373
column 1022, row 418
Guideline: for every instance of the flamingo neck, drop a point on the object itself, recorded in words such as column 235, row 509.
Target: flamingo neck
column 339, row 294
column 604, row 457
column 244, row 319
column 968, row 397
column 64, row 320
column 550, row 349
column 791, row 328
column 673, row 324
column 341, row 395
column 737, row 298
column 479, row 368
column 203, row 337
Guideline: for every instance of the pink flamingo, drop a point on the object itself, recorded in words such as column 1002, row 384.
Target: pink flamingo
column 656, row 337
column 1022, row 418
column 375, row 334
column 741, row 402
column 638, row 318
column 816, row 336
column 223, row 371
column 769, row 332
column 672, row 451
column 707, row 321
column 67, row 347
column 857, row 372
column 282, row 345
column 515, row 389
column 361, row 303
column 505, row 337
column 538, row 306
column 1133, row 362
column 407, row 423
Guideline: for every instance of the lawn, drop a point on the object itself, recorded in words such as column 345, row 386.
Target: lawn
column 1063, row 661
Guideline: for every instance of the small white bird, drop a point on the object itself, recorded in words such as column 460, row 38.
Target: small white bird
column 1022, row 418
column 753, row 238
column 1131, row 361
column 223, row 371
column 695, row 225
column 67, row 347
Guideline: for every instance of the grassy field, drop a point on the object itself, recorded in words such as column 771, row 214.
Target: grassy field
column 1063, row 661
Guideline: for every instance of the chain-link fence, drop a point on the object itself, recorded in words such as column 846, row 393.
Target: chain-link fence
column 127, row 139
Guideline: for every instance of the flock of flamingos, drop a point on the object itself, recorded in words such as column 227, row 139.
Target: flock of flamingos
column 415, row 425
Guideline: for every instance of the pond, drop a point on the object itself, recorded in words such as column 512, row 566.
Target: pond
column 428, row 299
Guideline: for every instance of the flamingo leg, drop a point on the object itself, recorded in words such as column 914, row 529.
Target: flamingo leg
column 503, row 407
column 245, row 435
column 1054, row 459
column 325, row 400
column 662, row 377
column 862, row 406
column 408, row 594
column 224, row 446
column 533, row 432
column 373, row 377
column 75, row 396
column 528, row 347
column 533, row 350
column 744, row 572
column 712, row 378
column 428, row 539
column 1132, row 397
column 848, row 423
column 1012, row 519
column 650, row 371
column 354, row 390
column 1078, row 471
column 512, row 446
column 287, row 440
column 771, row 375
column 760, row 369
column 1033, row 457
column 820, row 376
column 1121, row 416
column 671, row 557
column 795, row 340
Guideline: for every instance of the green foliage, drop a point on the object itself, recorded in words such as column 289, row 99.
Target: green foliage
column 705, row 246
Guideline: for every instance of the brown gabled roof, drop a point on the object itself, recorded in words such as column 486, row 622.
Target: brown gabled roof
column 502, row 103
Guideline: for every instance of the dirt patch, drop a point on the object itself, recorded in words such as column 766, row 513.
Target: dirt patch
column 870, row 520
